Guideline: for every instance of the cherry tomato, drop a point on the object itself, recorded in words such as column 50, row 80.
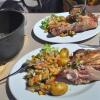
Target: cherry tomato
column 63, row 61
column 64, row 53
column 58, row 88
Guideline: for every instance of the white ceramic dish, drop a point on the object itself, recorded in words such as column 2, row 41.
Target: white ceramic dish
column 76, row 38
column 17, row 84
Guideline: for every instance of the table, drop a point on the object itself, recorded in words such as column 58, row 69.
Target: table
column 30, row 43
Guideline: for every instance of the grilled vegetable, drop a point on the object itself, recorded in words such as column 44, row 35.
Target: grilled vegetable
column 58, row 88
column 63, row 61
column 44, row 24
column 43, row 69
column 64, row 53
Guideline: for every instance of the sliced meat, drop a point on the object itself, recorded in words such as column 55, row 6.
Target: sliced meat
column 77, row 24
column 90, row 57
column 59, row 28
column 87, row 71
column 93, row 73
column 87, row 75
column 85, row 23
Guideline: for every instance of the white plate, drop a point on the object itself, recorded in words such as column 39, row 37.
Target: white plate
column 17, row 84
column 76, row 38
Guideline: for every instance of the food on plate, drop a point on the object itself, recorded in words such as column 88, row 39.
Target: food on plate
column 75, row 22
column 53, row 19
column 84, row 67
column 64, row 53
column 58, row 88
column 43, row 69
column 52, row 69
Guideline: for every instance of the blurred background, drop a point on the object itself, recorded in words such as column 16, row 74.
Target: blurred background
column 43, row 6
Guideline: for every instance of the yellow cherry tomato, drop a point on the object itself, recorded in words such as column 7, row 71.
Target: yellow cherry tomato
column 58, row 88
column 63, row 61
column 64, row 53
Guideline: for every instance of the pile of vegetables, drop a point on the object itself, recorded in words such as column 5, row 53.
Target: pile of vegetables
column 53, row 18
column 43, row 69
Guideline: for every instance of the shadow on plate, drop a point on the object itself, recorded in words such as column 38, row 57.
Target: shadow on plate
column 50, row 36
column 39, row 40
column 85, row 40
column 9, row 94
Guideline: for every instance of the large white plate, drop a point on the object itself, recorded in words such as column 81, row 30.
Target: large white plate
column 76, row 38
column 17, row 84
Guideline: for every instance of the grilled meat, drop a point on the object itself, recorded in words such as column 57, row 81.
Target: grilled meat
column 85, row 23
column 74, row 24
column 89, row 57
column 86, row 67
column 61, row 27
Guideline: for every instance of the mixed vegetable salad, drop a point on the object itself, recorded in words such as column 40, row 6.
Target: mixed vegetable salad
column 43, row 69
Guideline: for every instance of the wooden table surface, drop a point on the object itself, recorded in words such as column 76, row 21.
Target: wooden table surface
column 30, row 43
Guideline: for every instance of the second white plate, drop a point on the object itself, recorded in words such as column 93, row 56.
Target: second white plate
column 76, row 38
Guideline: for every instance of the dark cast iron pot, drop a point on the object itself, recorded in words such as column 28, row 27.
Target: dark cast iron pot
column 11, row 33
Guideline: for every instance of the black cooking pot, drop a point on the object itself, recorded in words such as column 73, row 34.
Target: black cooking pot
column 11, row 33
